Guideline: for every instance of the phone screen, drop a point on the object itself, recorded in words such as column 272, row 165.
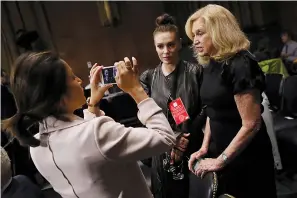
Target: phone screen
column 108, row 75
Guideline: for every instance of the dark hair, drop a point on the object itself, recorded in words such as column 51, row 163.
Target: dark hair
column 3, row 72
column 287, row 32
column 38, row 82
column 166, row 23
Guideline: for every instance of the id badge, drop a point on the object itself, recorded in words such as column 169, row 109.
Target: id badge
column 178, row 111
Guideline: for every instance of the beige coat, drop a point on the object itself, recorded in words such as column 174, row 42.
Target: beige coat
column 96, row 157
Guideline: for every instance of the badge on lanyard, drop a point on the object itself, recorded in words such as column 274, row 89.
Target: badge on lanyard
column 178, row 111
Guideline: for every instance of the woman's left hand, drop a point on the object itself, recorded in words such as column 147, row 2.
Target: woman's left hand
column 208, row 165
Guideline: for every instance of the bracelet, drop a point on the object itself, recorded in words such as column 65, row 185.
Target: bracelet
column 224, row 157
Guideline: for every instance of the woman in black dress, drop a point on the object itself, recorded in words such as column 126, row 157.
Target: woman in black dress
column 174, row 78
column 232, row 84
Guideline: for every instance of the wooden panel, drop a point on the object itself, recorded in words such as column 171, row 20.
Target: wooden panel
column 80, row 37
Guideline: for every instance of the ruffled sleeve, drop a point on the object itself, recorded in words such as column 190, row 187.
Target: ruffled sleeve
column 246, row 74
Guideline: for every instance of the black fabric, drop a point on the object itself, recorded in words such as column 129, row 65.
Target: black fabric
column 22, row 187
column 289, row 136
column 246, row 74
column 281, row 123
column 287, row 144
column 113, row 107
column 273, row 86
column 203, row 188
column 184, row 82
column 8, row 107
column 221, row 81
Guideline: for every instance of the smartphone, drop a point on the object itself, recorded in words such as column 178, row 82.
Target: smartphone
column 108, row 75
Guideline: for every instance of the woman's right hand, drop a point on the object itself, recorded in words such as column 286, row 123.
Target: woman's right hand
column 195, row 156
column 127, row 79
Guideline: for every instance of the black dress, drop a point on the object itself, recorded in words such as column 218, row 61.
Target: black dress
column 251, row 173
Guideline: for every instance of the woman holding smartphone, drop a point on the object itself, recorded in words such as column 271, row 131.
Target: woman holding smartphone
column 90, row 157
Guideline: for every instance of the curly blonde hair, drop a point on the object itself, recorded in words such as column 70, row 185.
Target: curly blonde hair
column 224, row 30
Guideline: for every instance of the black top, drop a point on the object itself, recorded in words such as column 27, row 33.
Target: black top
column 223, row 80
column 183, row 82
column 8, row 107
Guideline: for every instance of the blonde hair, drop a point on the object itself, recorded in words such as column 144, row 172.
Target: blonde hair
column 224, row 30
column 6, row 172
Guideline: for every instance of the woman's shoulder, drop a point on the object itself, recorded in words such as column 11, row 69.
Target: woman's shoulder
column 192, row 67
column 243, row 57
column 148, row 72
column 242, row 62
column 245, row 72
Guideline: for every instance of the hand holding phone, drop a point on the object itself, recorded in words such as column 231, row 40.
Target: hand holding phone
column 97, row 91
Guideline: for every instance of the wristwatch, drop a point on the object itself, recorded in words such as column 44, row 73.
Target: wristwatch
column 89, row 104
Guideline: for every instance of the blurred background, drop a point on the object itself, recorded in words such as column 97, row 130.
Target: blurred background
column 107, row 31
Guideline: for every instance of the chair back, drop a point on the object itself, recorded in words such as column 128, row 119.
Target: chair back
column 289, row 96
column 226, row 196
column 205, row 187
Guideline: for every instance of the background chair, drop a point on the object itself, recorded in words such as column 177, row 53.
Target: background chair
column 226, row 196
column 122, row 108
column 273, row 87
column 285, row 124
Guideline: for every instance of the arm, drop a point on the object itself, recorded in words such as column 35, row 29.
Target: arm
column 204, row 147
column 248, row 104
column 117, row 142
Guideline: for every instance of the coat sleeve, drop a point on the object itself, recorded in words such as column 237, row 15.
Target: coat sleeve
column 200, row 120
column 117, row 142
